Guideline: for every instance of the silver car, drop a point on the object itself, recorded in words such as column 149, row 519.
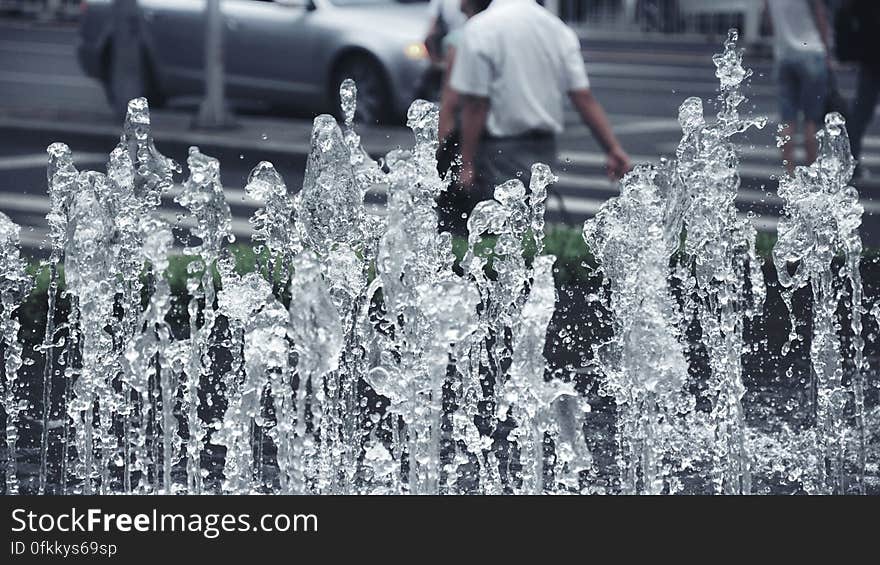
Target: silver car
column 288, row 53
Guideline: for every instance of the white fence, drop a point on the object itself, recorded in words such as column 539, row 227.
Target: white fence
column 665, row 16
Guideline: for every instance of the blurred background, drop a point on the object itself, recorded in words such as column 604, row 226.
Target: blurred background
column 283, row 61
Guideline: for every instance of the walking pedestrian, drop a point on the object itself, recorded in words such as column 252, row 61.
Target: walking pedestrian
column 857, row 27
column 515, row 65
column 801, row 37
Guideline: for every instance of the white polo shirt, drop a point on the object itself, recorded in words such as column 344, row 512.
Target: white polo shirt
column 525, row 60
column 794, row 29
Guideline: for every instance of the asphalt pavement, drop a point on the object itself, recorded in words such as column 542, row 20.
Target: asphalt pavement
column 45, row 97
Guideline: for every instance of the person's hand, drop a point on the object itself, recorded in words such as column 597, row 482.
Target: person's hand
column 617, row 164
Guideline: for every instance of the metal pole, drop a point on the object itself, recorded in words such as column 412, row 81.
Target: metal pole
column 629, row 12
column 127, row 73
column 51, row 10
column 213, row 112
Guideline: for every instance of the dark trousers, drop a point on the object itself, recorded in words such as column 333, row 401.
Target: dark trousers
column 863, row 107
column 502, row 159
column 498, row 160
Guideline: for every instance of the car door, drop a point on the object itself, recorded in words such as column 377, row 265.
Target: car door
column 268, row 51
column 175, row 40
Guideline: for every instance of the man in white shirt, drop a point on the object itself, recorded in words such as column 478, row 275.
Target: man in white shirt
column 515, row 65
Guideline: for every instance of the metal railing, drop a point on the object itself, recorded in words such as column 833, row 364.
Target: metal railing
column 671, row 17
column 41, row 9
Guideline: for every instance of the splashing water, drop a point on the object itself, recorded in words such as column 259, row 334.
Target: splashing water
column 821, row 218
column 719, row 258
column 682, row 212
column 362, row 357
column 633, row 238
column 15, row 285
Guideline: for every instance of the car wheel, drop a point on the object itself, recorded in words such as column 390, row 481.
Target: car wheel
column 373, row 93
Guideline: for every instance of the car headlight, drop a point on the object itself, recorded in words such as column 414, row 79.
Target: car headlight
column 416, row 51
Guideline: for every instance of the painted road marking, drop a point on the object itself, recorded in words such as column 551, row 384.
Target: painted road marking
column 746, row 169
column 678, row 88
column 589, row 159
column 41, row 160
column 36, row 47
column 773, row 153
column 42, row 79
column 159, row 134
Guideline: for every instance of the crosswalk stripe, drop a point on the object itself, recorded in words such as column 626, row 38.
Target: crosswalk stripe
column 747, row 169
column 24, row 202
column 660, row 85
column 37, row 47
column 179, row 136
column 41, row 160
column 234, row 196
column 693, row 74
column 592, row 159
column 773, row 153
column 40, row 204
column 595, row 158
column 43, row 79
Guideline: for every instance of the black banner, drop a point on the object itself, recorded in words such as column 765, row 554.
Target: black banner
column 164, row 529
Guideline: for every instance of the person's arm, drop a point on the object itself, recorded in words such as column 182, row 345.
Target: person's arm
column 474, row 112
column 433, row 38
column 768, row 17
column 448, row 100
column 591, row 112
column 471, row 79
column 432, row 42
column 821, row 17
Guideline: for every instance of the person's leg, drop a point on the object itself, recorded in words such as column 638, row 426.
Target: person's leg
column 513, row 158
column 454, row 206
column 810, row 144
column 814, row 100
column 788, row 131
column 493, row 167
column 542, row 151
column 787, row 81
column 863, row 107
column 522, row 154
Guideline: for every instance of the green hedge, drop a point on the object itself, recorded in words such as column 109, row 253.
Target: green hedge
column 574, row 266
column 566, row 243
column 573, row 260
